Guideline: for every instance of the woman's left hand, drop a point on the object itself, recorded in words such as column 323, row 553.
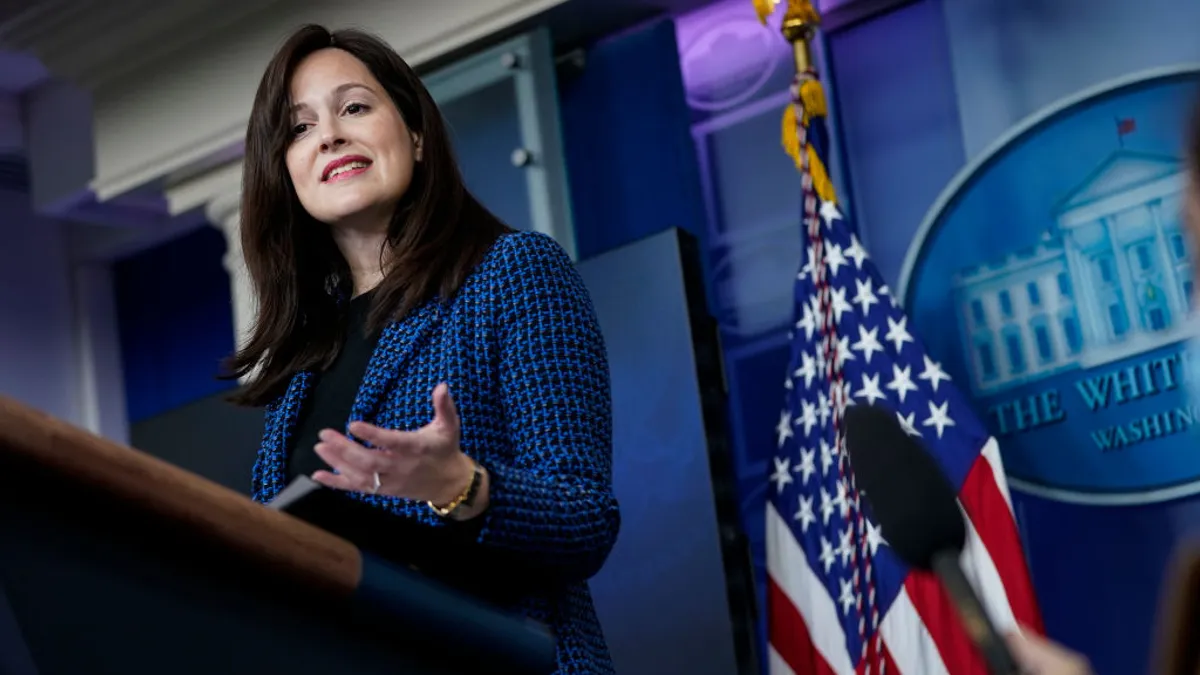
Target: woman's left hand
column 426, row 464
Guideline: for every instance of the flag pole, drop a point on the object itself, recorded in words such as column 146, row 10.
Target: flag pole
column 819, row 202
column 799, row 27
column 800, row 23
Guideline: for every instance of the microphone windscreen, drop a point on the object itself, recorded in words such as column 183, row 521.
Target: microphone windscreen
column 908, row 494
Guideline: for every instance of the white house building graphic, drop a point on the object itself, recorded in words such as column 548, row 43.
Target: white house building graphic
column 1108, row 280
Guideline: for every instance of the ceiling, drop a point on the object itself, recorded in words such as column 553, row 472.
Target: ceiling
column 10, row 9
column 574, row 23
column 21, row 71
column 582, row 21
column 577, row 23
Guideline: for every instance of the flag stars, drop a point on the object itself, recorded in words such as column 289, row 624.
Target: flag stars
column 826, row 506
column 807, row 369
column 807, row 465
column 807, row 322
column 870, row 389
column 838, row 297
column 824, row 408
column 933, row 373
column 844, row 352
column 897, row 332
column 837, row 329
column 901, row 381
column 874, row 537
column 826, row 557
column 804, row 514
column 907, row 423
column 868, row 342
column 856, row 252
column 830, row 213
column 782, row 475
column 783, row 430
column 883, row 290
column 847, row 598
column 841, row 499
column 864, row 295
column 828, row 456
column 939, row 417
column 808, row 416
column 808, row 269
column 845, row 549
column 834, row 259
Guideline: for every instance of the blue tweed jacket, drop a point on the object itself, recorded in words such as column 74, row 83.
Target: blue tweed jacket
column 523, row 355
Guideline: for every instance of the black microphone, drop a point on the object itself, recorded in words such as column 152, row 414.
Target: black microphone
column 914, row 503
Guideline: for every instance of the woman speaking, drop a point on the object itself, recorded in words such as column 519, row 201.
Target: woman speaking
column 412, row 350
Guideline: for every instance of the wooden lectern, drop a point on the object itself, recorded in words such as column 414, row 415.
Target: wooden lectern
column 112, row 561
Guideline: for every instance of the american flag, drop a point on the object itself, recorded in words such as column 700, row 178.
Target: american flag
column 839, row 600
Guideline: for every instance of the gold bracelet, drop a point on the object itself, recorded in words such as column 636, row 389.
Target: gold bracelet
column 466, row 496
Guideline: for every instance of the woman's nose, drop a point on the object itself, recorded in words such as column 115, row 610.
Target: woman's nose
column 332, row 142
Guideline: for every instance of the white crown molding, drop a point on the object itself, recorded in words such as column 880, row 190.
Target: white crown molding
column 90, row 41
column 180, row 105
column 94, row 42
column 218, row 190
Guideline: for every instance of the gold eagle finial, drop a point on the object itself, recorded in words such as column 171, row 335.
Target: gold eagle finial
column 800, row 22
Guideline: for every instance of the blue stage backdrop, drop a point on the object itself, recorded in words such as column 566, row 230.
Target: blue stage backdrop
column 1062, row 259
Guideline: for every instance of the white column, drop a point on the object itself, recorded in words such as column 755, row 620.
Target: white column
column 101, row 392
column 1088, row 311
column 1132, row 313
column 1178, row 303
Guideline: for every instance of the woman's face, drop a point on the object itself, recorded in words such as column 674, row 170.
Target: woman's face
column 351, row 155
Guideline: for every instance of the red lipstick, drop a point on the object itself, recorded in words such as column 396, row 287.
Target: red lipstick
column 343, row 161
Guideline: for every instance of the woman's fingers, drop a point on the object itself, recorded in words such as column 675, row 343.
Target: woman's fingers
column 385, row 439
column 351, row 455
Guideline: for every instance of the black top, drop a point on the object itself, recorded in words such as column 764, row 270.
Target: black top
column 333, row 394
column 450, row 553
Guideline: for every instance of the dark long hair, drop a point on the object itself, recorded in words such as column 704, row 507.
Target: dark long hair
column 437, row 235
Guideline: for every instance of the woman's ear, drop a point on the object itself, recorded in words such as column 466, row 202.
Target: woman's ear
column 417, row 147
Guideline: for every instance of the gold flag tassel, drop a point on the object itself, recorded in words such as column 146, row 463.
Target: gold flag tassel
column 764, row 8
column 808, row 103
column 808, row 96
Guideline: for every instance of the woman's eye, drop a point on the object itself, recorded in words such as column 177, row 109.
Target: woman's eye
column 299, row 129
column 356, row 108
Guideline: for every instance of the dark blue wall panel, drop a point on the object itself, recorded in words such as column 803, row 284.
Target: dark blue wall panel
column 662, row 594
column 175, row 318
column 631, row 161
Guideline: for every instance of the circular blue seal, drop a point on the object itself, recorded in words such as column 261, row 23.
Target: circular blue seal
column 1061, row 256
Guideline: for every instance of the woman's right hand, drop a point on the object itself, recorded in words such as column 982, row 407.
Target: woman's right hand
column 1038, row 656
